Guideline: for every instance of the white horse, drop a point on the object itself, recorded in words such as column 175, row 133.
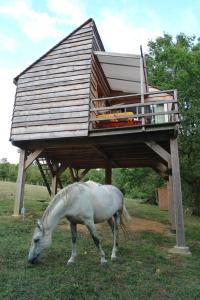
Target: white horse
column 81, row 203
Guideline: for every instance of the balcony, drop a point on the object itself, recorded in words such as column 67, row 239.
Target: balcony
column 151, row 111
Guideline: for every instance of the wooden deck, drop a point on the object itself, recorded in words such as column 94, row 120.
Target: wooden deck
column 129, row 116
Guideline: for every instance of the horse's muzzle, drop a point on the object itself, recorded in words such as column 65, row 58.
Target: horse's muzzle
column 33, row 260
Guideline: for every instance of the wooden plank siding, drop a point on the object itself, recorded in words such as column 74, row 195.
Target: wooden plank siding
column 54, row 77
column 99, row 86
column 53, row 94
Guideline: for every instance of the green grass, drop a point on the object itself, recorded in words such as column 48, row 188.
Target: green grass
column 144, row 270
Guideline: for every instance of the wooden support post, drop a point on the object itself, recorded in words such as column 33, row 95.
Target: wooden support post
column 171, row 205
column 19, row 199
column 54, row 185
column 54, row 182
column 74, row 174
column 59, row 172
column 180, row 247
column 108, row 174
column 62, row 168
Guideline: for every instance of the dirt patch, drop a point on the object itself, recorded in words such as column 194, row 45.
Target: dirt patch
column 136, row 224
column 139, row 224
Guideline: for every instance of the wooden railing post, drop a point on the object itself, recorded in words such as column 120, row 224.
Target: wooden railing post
column 176, row 116
column 142, row 86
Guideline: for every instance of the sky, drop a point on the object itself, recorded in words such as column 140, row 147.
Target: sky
column 28, row 28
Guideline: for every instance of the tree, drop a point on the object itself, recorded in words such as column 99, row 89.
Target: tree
column 175, row 63
column 137, row 183
column 4, row 169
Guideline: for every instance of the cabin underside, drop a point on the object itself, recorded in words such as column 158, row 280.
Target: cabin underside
column 123, row 150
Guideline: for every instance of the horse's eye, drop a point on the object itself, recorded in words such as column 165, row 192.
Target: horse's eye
column 36, row 240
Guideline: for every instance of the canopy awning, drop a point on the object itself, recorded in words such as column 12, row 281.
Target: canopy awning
column 123, row 71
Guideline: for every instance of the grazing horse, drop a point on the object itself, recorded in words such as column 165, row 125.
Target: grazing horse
column 81, row 203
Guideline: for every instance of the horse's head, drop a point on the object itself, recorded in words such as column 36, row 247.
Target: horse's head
column 41, row 240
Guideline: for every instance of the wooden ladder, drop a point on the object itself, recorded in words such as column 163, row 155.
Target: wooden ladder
column 47, row 171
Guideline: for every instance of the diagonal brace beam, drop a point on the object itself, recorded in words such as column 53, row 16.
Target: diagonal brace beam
column 32, row 156
column 160, row 151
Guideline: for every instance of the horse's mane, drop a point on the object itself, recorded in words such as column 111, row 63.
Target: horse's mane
column 55, row 201
column 63, row 193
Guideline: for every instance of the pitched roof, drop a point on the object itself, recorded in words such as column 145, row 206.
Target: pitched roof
column 90, row 20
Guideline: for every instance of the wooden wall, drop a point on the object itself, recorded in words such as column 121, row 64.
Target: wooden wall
column 53, row 94
column 99, row 86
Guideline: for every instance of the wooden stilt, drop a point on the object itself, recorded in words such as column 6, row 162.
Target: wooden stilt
column 53, row 167
column 54, row 185
column 78, row 175
column 180, row 247
column 108, row 174
column 74, row 174
column 60, row 170
column 171, row 205
column 20, row 184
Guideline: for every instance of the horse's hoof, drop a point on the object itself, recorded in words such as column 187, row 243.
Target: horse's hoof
column 70, row 263
column 114, row 258
column 104, row 262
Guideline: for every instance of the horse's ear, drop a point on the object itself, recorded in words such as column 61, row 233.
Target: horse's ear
column 39, row 225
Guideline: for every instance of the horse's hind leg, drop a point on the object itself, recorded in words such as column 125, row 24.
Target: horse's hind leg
column 92, row 229
column 112, row 225
column 73, row 228
column 115, row 235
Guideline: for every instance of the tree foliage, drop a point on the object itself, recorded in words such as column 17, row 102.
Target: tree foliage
column 175, row 63
column 137, row 183
column 134, row 183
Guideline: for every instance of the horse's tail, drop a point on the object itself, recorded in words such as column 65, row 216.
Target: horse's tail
column 125, row 219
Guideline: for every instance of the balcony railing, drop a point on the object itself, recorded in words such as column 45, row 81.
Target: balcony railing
column 159, row 108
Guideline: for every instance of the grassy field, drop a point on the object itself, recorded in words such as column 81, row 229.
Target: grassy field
column 144, row 269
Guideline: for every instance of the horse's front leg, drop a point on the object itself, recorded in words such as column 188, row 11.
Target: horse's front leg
column 92, row 229
column 73, row 228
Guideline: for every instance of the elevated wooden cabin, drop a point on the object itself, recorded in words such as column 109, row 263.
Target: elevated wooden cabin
column 80, row 107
